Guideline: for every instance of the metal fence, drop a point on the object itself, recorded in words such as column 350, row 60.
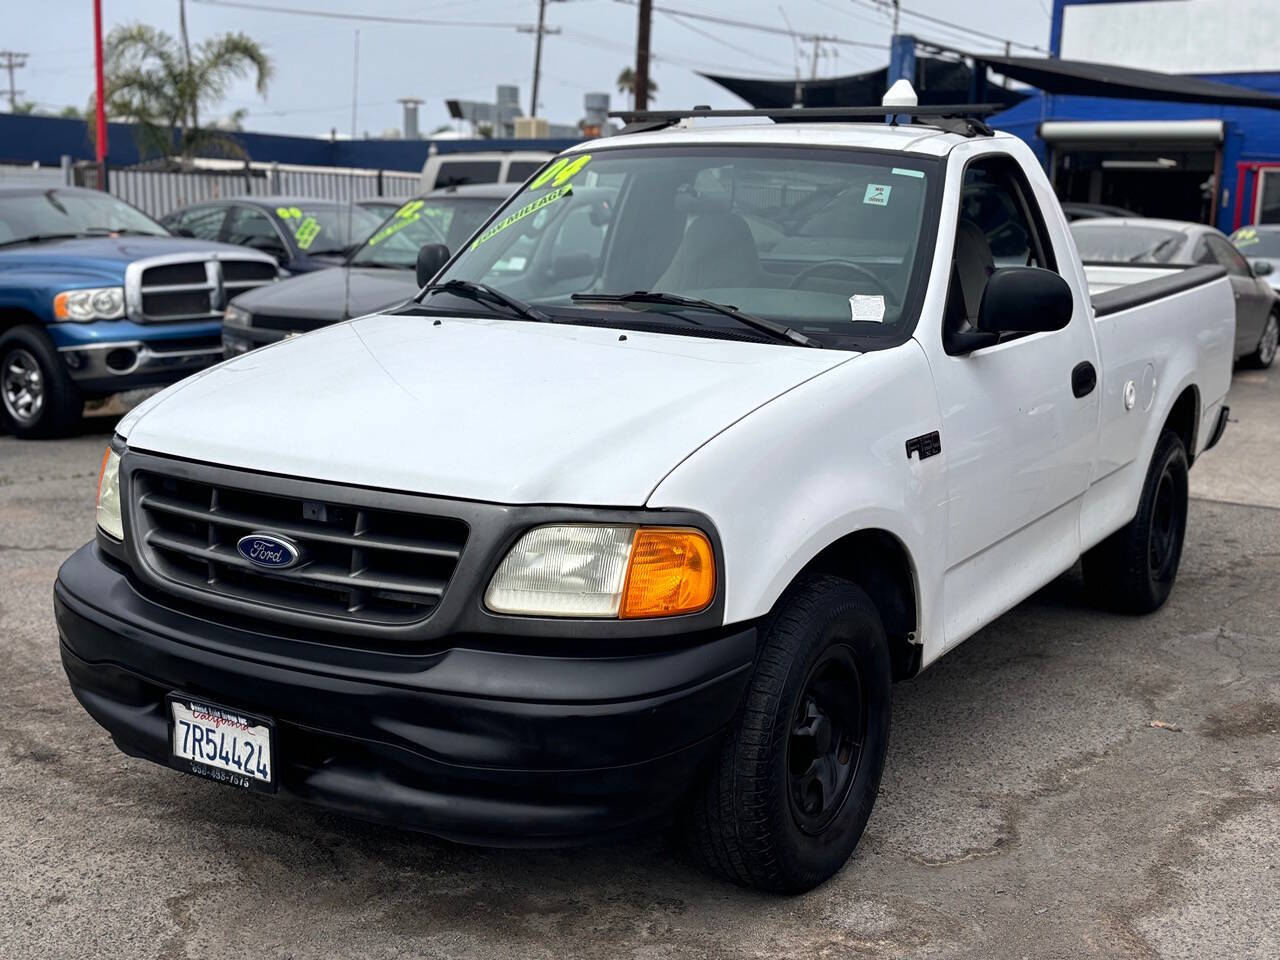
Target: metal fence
column 157, row 192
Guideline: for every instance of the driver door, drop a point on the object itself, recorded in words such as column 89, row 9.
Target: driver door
column 1017, row 433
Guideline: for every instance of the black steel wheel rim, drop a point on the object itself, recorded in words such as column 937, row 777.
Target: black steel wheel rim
column 1165, row 526
column 824, row 746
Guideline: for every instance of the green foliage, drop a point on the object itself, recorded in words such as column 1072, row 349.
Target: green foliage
column 151, row 81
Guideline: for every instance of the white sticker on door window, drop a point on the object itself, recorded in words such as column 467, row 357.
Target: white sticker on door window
column 877, row 193
column 866, row 308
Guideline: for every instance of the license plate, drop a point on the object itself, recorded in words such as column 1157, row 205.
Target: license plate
column 221, row 744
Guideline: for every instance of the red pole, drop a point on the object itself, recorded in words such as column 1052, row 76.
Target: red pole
column 101, row 95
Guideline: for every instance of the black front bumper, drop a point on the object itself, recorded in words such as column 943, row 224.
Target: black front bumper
column 472, row 744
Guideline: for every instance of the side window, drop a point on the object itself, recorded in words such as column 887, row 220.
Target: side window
column 999, row 226
column 1202, row 253
column 1228, row 256
column 248, row 227
column 518, row 171
column 455, row 173
column 996, row 199
column 203, row 222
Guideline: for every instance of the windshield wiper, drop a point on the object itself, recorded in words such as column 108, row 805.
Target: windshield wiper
column 779, row 331
column 483, row 292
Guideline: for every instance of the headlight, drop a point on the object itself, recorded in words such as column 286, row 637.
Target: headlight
column 92, row 303
column 109, row 496
column 237, row 317
column 605, row 571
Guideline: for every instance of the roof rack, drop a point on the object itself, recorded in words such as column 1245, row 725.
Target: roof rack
column 961, row 118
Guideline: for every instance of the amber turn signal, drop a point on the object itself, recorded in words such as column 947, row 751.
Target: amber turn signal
column 671, row 571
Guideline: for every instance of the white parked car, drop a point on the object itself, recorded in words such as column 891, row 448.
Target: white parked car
column 705, row 439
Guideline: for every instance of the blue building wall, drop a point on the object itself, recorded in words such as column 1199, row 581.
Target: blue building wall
column 32, row 139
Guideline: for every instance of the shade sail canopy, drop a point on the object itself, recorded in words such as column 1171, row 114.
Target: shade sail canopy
column 1086, row 79
column 937, row 82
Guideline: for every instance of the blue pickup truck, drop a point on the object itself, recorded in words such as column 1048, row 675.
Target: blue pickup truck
column 96, row 298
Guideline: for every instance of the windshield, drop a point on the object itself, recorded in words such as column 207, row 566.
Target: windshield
column 1125, row 243
column 70, row 212
column 831, row 243
column 327, row 227
column 1258, row 242
column 450, row 220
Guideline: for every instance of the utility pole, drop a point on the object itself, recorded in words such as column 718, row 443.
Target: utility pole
column 642, row 55
column 539, row 31
column 897, row 13
column 537, row 57
column 12, row 60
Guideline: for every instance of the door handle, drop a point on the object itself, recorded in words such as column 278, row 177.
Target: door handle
column 1083, row 379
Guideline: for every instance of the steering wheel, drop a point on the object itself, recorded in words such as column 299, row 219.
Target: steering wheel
column 850, row 266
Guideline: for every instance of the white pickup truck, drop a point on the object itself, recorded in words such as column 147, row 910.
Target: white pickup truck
column 711, row 433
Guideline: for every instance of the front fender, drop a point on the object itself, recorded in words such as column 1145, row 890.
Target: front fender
column 826, row 459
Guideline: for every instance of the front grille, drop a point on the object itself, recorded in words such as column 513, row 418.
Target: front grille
column 268, row 321
column 361, row 564
column 196, row 289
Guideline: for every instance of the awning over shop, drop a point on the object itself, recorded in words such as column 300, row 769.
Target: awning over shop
column 937, row 81
column 1086, row 79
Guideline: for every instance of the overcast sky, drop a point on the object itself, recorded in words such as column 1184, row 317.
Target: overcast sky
column 313, row 56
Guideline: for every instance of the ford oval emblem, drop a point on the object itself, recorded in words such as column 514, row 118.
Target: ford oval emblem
column 269, row 550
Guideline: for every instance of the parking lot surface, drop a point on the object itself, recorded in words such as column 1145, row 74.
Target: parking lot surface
column 1068, row 783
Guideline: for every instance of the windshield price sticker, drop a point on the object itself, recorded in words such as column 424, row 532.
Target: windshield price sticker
column 411, row 212
column 1244, row 237
column 527, row 210
column 866, row 308
column 288, row 213
column 878, row 194
column 560, row 172
column 306, row 233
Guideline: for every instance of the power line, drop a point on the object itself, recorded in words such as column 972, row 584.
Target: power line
column 938, row 21
column 362, row 17
column 758, row 27
column 725, row 43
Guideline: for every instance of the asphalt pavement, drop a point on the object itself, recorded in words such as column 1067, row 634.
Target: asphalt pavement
column 1068, row 783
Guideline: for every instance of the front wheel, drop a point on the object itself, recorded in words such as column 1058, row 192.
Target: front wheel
column 1263, row 357
column 1133, row 570
column 37, row 396
column 791, row 792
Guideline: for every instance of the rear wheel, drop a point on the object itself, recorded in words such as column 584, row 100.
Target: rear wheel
column 792, row 790
column 1267, row 344
column 1133, row 570
column 37, row 396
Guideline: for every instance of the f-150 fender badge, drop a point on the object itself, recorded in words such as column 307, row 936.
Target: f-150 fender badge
column 926, row 446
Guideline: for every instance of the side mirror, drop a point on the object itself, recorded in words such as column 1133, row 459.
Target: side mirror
column 1024, row 300
column 431, row 257
column 1261, row 268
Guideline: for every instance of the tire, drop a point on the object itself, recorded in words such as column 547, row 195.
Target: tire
column 1265, row 355
column 38, row 398
column 764, row 817
column 1133, row 570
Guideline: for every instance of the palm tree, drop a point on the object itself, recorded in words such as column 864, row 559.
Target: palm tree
column 627, row 84
column 152, row 80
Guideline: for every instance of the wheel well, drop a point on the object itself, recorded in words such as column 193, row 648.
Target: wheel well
column 1184, row 419
column 880, row 565
column 16, row 316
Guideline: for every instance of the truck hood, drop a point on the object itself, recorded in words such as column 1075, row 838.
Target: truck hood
column 324, row 297
column 101, row 258
column 497, row 410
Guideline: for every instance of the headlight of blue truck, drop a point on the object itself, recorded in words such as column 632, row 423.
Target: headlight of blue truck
column 90, row 303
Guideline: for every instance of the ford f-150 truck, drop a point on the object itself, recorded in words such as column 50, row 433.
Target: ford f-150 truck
column 655, row 520
column 96, row 298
